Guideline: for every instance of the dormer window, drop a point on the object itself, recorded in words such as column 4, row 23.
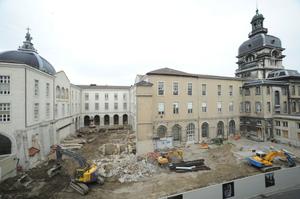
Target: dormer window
column 250, row 58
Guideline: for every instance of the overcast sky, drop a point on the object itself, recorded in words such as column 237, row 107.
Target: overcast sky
column 110, row 41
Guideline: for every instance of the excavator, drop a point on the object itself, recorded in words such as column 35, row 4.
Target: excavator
column 264, row 161
column 168, row 157
column 84, row 175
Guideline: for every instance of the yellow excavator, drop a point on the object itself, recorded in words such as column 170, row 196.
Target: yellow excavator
column 84, row 175
column 264, row 161
column 170, row 156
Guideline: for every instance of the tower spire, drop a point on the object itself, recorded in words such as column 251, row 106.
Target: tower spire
column 27, row 44
column 257, row 24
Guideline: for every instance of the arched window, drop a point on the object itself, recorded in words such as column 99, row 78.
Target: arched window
column 176, row 132
column 250, row 58
column 190, row 132
column 106, row 120
column 220, row 129
column 62, row 95
column 161, row 131
column 86, row 120
column 57, row 92
column 125, row 119
column 204, row 130
column 67, row 94
column 97, row 120
column 232, row 127
column 116, row 120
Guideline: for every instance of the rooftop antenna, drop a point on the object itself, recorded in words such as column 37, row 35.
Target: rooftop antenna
column 257, row 6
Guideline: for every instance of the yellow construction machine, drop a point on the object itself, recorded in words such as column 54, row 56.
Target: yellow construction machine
column 84, row 175
column 264, row 161
column 170, row 156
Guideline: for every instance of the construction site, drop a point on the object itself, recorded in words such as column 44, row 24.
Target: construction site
column 110, row 155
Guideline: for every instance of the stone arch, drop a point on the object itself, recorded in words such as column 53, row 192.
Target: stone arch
column 125, row 119
column 176, row 132
column 205, row 130
column 106, row 120
column 12, row 141
column 86, row 120
column 116, row 119
column 5, row 145
column 231, row 127
column 97, row 120
column 161, row 131
column 220, row 128
column 190, row 132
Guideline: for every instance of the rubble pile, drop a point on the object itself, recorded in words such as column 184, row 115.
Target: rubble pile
column 125, row 167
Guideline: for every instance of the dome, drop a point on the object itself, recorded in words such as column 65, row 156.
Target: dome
column 27, row 54
column 29, row 58
column 258, row 41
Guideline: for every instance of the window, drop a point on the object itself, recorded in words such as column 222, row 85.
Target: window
column 116, row 96
column 277, row 123
column 219, row 90
column 203, row 89
column 219, row 107
column 96, row 106
column 269, row 106
column 63, row 109
column 48, row 110
column 36, row 111
column 124, row 96
column 116, row 106
column 86, row 96
column 230, row 106
column 298, row 90
column 247, row 91
column 190, row 107
column 298, row 124
column 190, row 88
column 4, row 85
column 36, row 87
column 47, row 89
column 241, row 91
column 96, row 96
column 175, row 88
column 285, row 133
column 285, row 107
column 277, row 98
column 293, row 106
column 56, row 110
column 204, row 129
column 161, row 108
column 258, row 107
column 175, row 108
column 268, row 90
column 4, row 112
column 285, row 124
column 161, row 88
column 241, row 107
column 124, row 106
column 293, row 90
column 204, row 107
column 86, row 106
column 247, row 107
column 106, row 106
column 190, row 132
column 257, row 90
column 230, row 90
column 67, row 94
column 106, row 96
column 278, row 132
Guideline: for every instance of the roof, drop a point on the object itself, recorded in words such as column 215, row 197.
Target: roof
column 144, row 83
column 251, row 83
column 29, row 58
column 259, row 41
column 172, row 72
column 94, row 86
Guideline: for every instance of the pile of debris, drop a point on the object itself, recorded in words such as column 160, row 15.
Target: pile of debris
column 125, row 167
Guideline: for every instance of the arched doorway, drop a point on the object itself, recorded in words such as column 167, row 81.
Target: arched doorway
column 190, row 132
column 231, row 127
column 125, row 119
column 97, row 120
column 205, row 130
column 5, row 145
column 116, row 120
column 176, row 132
column 161, row 131
column 220, row 129
column 106, row 119
column 87, row 120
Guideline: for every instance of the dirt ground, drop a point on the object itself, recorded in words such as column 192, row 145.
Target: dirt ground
column 227, row 162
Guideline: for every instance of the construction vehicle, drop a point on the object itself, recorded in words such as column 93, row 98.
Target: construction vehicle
column 84, row 175
column 171, row 156
column 264, row 161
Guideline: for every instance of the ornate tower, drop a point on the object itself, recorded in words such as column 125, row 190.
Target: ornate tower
column 261, row 53
column 27, row 44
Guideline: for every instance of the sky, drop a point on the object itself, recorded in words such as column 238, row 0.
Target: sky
column 109, row 42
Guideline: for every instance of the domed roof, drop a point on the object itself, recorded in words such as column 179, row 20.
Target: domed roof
column 258, row 41
column 26, row 54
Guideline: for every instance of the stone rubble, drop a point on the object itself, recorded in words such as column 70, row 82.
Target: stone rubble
column 125, row 167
